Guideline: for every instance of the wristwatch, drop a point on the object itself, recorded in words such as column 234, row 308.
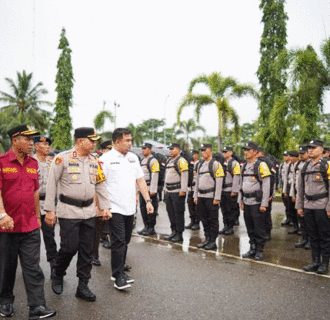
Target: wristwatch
column 2, row 215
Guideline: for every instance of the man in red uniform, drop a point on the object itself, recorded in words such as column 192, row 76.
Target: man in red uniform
column 20, row 225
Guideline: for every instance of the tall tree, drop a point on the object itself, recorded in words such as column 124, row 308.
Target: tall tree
column 23, row 105
column 222, row 90
column 62, row 123
column 99, row 122
column 273, row 84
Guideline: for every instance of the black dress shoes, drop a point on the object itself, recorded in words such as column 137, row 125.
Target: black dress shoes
column 57, row 283
column 6, row 310
column 169, row 237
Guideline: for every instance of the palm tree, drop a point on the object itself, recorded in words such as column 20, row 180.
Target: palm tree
column 99, row 122
column 222, row 90
column 23, row 105
column 188, row 127
column 137, row 134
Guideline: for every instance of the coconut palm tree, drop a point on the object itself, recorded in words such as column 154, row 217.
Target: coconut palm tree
column 99, row 122
column 222, row 91
column 186, row 128
column 23, row 105
column 137, row 134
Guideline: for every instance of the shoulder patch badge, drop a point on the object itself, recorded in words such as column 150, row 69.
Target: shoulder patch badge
column 58, row 160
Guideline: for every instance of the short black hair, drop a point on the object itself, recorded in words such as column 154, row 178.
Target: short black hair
column 119, row 133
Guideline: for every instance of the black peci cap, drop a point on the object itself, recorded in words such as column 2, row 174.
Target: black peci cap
column 174, row 145
column 147, row 145
column 315, row 143
column 106, row 144
column 22, row 130
column 250, row 145
column 37, row 139
column 85, row 132
column 225, row 149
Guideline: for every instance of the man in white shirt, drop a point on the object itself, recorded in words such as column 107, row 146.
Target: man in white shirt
column 123, row 172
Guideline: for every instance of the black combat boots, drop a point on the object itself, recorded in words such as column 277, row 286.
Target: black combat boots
column 316, row 262
column 324, row 267
column 204, row 243
column 211, row 245
column 170, row 236
column 177, row 237
column 252, row 252
column 83, row 291
column 259, row 252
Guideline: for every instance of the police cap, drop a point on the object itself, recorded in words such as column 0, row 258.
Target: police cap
column 147, row 145
column 106, row 144
column 174, row 145
column 205, row 146
column 326, row 149
column 315, row 143
column 303, row 149
column 286, row 153
column 260, row 149
column 85, row 132
column 293, row 153
column 250, row 145
column 225, row 149
column 194, row 151
column 37, row 139
column 22, row 130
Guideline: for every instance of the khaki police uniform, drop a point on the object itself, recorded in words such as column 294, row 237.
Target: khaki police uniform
column 150, row 167
column 174, row 183
column 207, row 190
column 283, row 173
column 47, row 231
column 254, row 195
column 76, row 180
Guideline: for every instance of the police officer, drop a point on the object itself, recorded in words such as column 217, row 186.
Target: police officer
column 229, row 198
column 106, row 146
column 176, row 187
column 19, row 225
column 283, row 172
column 193, row 214
column 303, row 152
column 41, row 145
column 255, row 188
column 207, row 195
column 78, row 177
column 326, row 152
column 288, row 182
column 150, row 167
column 313, row 204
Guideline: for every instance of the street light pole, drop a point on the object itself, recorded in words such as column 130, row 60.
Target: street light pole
column 165, row 119
column 116, row 105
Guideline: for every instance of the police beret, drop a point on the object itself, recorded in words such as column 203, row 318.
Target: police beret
column 22, row 130
column 147, row 145
column 250, row 145
column 106, row 144
column 85, row 132
column 303, row 149
column 174, row 145
column 293, row 153
column 194, row 151
column 37, row 139
column 205, row 146
column 225, row 149
column 315, row 143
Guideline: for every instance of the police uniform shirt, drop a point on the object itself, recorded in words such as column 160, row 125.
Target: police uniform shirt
column 233, row 178
column 192, row 188
column 288, row 178
column 296, row 169
column 151, row 176
column 205, row 181
column 43, row 173
column 172, row 176
column 314, row 185
column 251, row 184
column 283, row 170
column 121, row 173
column 79, row 179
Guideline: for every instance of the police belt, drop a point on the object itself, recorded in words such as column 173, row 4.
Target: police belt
column 75, row 202
column 42, row 196
column 228, row 185
column 148, row 182
column 206, row 190
column 316, row 196
column 173, row 186
column 250, row 195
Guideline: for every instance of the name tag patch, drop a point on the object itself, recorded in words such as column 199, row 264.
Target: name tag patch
column 9, row 170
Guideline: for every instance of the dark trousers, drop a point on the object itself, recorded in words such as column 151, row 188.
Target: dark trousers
column 303, row 227
column 229, row 207
column 193, row 214
column 268, row 218
column 255, row 224
column 286, row 205
column 77, row 235
column 48, row 234
column 209, row 214
column 293, row 214
column 175, row 206
column 120, row 232
column 26, row 246
column 149, row 219
column 99, row 224
column 318, row 227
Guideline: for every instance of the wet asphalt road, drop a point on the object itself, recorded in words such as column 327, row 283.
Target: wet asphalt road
column 178, row 281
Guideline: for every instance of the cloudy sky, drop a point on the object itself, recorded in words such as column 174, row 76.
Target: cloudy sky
column 143, row 54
